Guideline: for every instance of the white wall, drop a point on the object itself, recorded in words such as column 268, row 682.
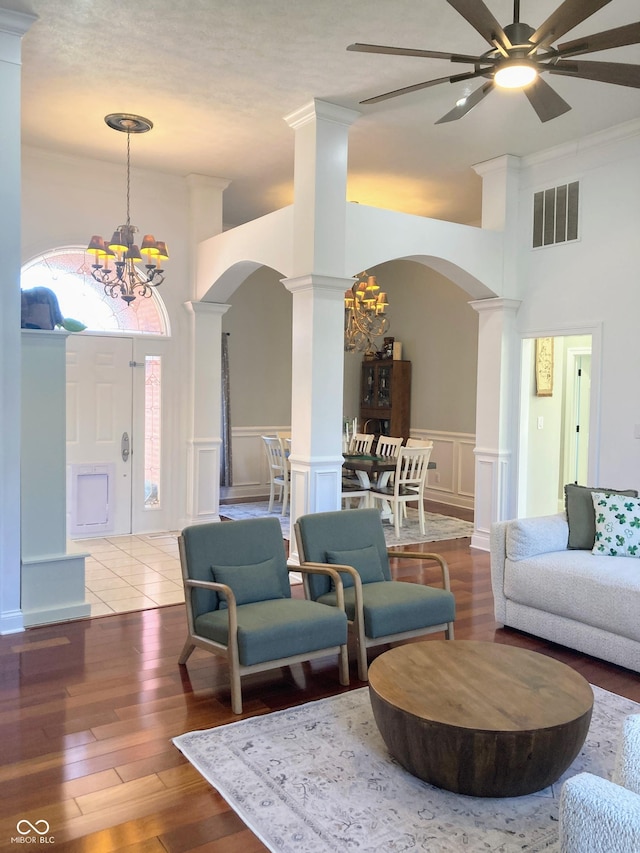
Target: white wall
column 259, row 324
column 593, row 283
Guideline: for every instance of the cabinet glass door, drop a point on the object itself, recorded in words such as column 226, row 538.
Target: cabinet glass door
column 384, row 387
column 369, row 386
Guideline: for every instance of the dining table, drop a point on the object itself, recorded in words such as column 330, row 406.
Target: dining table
column 369, row 468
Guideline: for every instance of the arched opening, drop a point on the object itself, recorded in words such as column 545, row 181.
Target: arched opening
column 67, row 272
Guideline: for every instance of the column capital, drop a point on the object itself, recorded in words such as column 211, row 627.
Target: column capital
column 211, row 308
column 318, row 109
column 317, row 283
column 13, row 25
column 504, row 163
column 196, row 181
column 497, row 303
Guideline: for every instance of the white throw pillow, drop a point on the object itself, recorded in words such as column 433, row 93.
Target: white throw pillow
column 617, row 525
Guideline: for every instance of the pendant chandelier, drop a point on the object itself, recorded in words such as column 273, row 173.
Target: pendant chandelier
column 364, row 314
column 124, row 279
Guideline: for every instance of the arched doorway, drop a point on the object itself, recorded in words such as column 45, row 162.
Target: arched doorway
column 114, row 399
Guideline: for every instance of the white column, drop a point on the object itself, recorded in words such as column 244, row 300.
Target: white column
column 316, row 407
column 205, row 207
column 13, row 25
column 318, row 284
column 205, row 440
column 500, row 205
column 496, row 415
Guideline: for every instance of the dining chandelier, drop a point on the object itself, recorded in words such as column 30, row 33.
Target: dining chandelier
column 364, row 314
column 124, row 279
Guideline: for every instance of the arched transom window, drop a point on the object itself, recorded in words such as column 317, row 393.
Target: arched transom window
column 67, row 272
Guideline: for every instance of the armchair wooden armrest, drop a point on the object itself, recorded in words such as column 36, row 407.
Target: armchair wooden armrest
column 420, row 555
column 332, row 571
column 232, row 611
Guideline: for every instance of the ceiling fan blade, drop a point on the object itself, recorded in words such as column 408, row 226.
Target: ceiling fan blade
column 618, row 37
column 470, row 102
column 618, row 73
column 546, row 101
column 409, row 51
column 481, row 19
column 406, row 90
column 567, row 16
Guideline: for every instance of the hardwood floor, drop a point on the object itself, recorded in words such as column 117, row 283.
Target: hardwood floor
column 88, row 710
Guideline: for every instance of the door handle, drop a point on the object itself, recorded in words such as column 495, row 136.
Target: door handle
column 124, row 446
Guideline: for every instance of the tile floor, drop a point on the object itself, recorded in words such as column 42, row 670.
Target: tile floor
column 127, row 573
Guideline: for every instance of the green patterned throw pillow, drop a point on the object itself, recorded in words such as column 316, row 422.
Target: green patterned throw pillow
column 617, row 525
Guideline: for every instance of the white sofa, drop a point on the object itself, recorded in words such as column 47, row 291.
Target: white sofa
column 598, row 816
column 584, row 601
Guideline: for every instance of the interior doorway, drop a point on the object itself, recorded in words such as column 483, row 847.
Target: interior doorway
column 555, row 445
column 578, row 398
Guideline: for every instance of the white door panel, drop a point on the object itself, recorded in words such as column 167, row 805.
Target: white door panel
column 99, row 413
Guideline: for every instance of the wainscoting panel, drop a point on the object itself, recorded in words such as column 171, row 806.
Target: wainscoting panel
column 250, row 471
column 453, row 480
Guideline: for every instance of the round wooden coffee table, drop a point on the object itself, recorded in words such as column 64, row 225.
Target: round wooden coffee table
column 482, row 719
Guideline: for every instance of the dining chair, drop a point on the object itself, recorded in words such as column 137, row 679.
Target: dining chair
column 408, row 485
column 379, row 609
column 361, row 443
column 388, row 446
column 351, row 486
column 278, row 463
column 418, row 442
column 239, row 603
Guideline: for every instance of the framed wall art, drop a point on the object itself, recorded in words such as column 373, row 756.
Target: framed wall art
column 544, row 367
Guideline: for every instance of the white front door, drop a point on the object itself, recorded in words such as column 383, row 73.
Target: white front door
column 99, row 435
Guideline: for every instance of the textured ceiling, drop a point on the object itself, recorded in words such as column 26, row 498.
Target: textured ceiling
column 217, row 76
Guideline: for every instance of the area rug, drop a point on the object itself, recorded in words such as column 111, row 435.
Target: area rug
column 318, row 779
column 437, row 527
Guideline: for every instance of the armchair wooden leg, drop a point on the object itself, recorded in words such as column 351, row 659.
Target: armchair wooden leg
column 343, row 665
column 363, row 666
column 236, row 691
column 186, row 651
column 234, row 675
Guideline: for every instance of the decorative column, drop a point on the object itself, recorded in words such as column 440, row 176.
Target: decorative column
column 500, row 194
column 203, row 466
column 496, row 415
column 205, row 208
column 318, row 283
column 13, row 25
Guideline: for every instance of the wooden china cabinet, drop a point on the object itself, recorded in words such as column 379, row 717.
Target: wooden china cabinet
column 385, row 397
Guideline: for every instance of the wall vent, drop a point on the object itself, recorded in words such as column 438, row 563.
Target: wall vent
column 555, row 215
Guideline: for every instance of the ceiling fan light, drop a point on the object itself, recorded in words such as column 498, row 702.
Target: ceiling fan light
column 515, row 74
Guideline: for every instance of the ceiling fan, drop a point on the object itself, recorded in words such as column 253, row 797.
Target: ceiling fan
column 519, row 55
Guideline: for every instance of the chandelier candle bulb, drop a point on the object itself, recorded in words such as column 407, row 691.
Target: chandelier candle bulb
column 364, row 314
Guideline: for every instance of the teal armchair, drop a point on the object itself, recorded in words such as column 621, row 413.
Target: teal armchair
column 379, row 609
column 239, row 602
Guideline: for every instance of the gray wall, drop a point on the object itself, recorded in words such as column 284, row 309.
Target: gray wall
column 439, row 335
column 429, row 314
column 259, row 322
